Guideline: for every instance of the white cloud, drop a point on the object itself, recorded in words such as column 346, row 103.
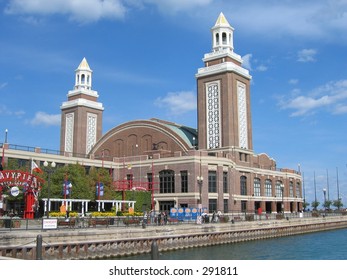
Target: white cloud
column 279, row 19
column 332, row 97
column 307, row 55
column 172, row 6
column 3, row 85
column 293, row 81
column 42, row 118
column 178, row 102
column 247, row 61
column 8, row 112
column 79, row 10
column 340, row 109
column 261, row 68
column 85, row 11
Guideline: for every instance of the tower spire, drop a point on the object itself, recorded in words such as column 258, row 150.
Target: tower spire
column 83, row 76
column 224, row 113
column 222, row 33
column 81, row 114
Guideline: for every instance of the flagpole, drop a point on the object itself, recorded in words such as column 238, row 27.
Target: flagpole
column 65, row 183
column 338, row 188
column 3, row 149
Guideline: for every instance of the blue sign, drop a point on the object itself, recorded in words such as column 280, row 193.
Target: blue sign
column 180, row 214
column 173, row 213
column 67, row 186
column 194, row 212
column 99, row 189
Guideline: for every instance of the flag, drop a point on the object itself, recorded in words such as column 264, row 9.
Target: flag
column 67, row 186
column 100, row 189
column 35, row 167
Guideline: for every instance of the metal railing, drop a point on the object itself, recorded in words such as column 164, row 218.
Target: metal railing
column 12, row 224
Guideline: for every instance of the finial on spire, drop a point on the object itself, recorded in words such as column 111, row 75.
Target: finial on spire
column 84, row 65
column 83, row 76
column 222, row 21
column 222, row 33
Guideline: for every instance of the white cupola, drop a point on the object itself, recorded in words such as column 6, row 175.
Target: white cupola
column 83, row 76
column 222, row 34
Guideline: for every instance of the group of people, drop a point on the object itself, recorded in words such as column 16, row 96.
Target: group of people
column 215, row 216
column 160, row 219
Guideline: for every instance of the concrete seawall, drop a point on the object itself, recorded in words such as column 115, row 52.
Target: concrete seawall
column 115, row 242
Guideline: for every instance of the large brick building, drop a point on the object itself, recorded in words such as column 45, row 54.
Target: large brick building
column 214, row 166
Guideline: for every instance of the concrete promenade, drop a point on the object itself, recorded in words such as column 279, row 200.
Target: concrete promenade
column 103, row 242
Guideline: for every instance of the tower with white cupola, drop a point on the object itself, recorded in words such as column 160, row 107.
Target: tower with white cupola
column 223, row 85
column 81, row 114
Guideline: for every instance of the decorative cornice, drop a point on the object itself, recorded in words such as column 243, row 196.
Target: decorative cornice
column 82, row 102
column 220, row 54
column 84, row 91
column 223, row 67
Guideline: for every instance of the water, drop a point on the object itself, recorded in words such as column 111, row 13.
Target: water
column 325, row 245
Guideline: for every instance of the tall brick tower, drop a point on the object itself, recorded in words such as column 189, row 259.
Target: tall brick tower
column 81, row 114
column 223, row 85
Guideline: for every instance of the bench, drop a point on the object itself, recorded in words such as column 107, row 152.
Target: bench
column 173, row 221
column 69, row 223
column 128, row 222
column 95, row 222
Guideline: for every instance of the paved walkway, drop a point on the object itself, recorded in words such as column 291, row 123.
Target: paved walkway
column 20, row 237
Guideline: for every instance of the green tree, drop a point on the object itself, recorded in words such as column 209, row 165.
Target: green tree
column 76, row 174
column 143, row 199
column 315, row 204
column 103, row 176
column 337, row 203
column 327, row 204
column 305, row 204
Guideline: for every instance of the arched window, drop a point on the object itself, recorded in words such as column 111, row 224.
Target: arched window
column 212, row 181
column 243, row 185
column 298, row 188
column 167, row 181
column 278, row 187
column 224, row 38
column 256, row 187
column 268, row 187
column 83, row 79
column 217, row 39
column 291, row 189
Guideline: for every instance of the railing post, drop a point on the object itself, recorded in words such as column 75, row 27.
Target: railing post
column 39, row 247
column 154, row 250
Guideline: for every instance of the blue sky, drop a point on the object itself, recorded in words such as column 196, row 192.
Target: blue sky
column 145, row 53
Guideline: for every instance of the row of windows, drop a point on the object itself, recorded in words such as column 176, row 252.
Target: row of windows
column 167, row 184
column 268, row 189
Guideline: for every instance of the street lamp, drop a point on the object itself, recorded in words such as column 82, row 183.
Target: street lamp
column 200, row 180
column 3, row 149
column 325, row 198
column 6, row 131
column 49, row 168
column 282, row 205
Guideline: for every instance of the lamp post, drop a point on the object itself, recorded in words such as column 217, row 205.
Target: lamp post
column 325, row 198
column 282, row 205
column 6, row 131
column 200, row 180
column 49, row 168
column 3, row 149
